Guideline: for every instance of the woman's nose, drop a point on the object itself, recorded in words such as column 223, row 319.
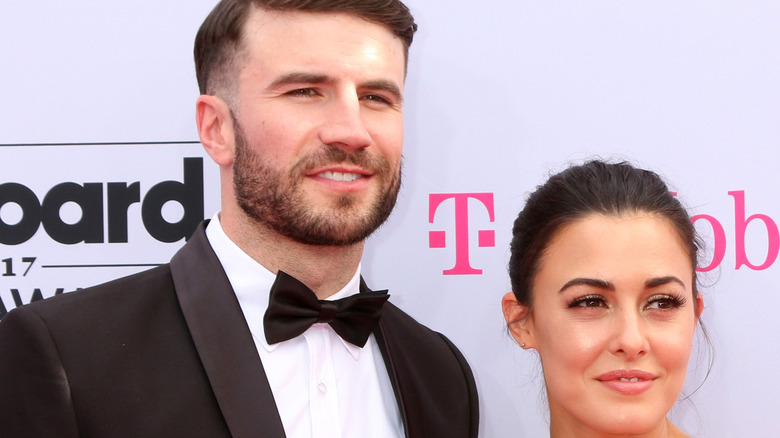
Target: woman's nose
column 629, row 337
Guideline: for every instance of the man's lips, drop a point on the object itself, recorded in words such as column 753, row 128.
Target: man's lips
column 339, row 176
column 628, row 382
column 342, row 179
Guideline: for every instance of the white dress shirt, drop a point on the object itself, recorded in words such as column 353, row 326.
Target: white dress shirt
column 324, row 387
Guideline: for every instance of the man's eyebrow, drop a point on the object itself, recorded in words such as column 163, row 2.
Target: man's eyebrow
column 383, row 85
column 660, row 281
column 301, row 78
column 315, row 78
column 593, row 282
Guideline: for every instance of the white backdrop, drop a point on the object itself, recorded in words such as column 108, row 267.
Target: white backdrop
column 499, row 94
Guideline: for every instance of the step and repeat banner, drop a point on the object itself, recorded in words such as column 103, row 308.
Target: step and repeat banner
column 102, row 174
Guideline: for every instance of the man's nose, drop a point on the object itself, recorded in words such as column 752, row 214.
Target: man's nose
column 344, row 125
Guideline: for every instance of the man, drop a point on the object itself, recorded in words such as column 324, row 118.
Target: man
column 301, row 108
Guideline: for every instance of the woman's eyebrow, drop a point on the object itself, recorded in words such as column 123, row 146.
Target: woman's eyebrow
column 593, row 282
column 660, row 281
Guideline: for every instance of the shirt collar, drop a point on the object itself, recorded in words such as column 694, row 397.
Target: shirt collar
column 252, row 283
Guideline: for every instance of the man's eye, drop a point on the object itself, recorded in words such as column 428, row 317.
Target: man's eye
column 303, row 92
column 376, row 98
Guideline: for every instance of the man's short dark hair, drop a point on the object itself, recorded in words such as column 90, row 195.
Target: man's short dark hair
column 219, row 37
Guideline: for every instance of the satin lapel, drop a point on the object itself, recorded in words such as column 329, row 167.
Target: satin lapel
column 392, row 370
column 223, row 341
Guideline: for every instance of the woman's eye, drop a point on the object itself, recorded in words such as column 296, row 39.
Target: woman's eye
column 589, row 302
column 664, row 303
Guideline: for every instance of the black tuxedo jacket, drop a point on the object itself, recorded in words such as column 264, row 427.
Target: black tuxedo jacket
column 167, row 353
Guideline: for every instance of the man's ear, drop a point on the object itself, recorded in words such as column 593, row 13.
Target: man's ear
column 519, row 321
column 215, row 128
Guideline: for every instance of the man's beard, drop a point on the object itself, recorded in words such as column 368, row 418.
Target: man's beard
column 276, row 201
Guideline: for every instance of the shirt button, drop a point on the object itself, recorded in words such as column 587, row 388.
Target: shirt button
column 322, row 388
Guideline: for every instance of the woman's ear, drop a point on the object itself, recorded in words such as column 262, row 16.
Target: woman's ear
column 519, row 320
column 699, row 305
column 215, row 128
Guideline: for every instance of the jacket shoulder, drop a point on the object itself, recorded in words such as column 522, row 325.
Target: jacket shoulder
column 431, row 376
column 112, row 294
column 404, row 327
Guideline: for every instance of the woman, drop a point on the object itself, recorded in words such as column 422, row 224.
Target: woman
column 603, row 272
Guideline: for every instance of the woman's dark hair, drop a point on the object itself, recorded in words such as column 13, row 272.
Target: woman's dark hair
column 595, row 187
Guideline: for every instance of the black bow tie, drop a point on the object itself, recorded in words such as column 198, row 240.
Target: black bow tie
column 293, row 308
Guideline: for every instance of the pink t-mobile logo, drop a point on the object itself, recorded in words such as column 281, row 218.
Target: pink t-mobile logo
column 741, row 222
column 485, row 238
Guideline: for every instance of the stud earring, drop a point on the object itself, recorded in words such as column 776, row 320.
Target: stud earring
column 522, row 345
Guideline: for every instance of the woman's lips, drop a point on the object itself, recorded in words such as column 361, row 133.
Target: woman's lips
column 627, row 382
